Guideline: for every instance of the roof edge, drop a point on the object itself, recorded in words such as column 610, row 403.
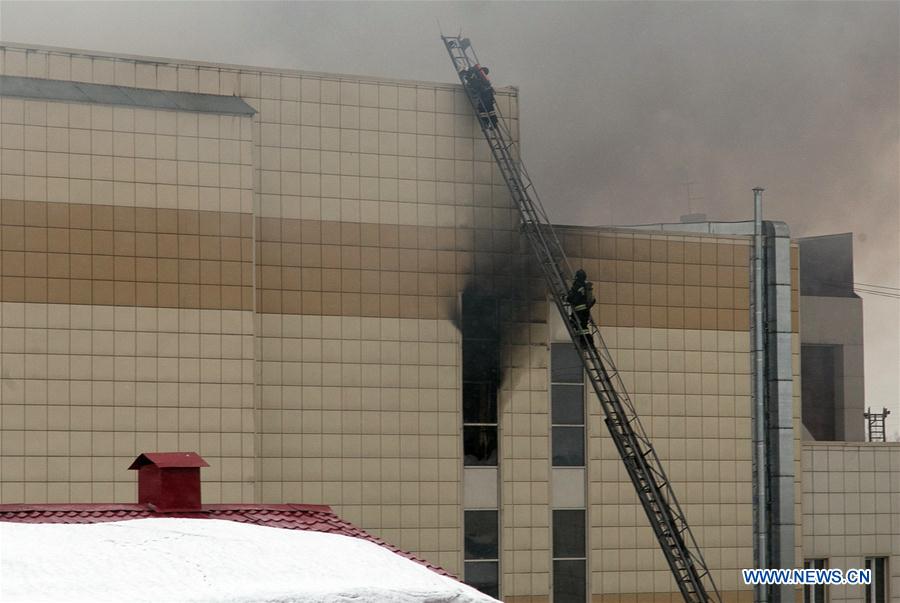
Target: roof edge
column 510, row 90
column 70, row 91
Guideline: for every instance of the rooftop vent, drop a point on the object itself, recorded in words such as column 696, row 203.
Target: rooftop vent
column 169, row 481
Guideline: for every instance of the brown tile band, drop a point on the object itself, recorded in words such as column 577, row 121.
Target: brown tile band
column 99, row 254
column 341, row 268
column 125, row 256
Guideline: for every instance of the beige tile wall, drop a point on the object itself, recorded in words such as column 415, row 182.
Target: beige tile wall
column 85, row 389
column 525, row 459
column 691, row 388
column 97, row 154
column 363, row 414
column 851, row 508
column 87, row 385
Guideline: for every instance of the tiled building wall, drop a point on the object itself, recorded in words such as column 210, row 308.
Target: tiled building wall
column 126, row 279
column 373, row 202
column 674, row 311
column 376, row 204
column 851, row 507
column 363, row 414
column 692, row 389
column 348, row 214
column 525, row 459
column 86, row 388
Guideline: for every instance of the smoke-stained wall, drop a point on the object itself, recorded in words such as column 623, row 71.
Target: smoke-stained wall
column 370, row 212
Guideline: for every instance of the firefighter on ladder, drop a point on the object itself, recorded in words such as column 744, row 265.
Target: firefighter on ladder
column 581, row 299
column 476, row 79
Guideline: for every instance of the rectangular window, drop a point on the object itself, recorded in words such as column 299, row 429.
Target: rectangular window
column 566, row 406
column 566, row 366
column 481, row 551
column 877, row 590
column 814, row 593
column 483, row 575
column 481, row 379
column 480, row 445
column 568, row 446
column 569, row 556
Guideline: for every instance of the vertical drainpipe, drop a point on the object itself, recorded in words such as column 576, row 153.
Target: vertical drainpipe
column 760, row 494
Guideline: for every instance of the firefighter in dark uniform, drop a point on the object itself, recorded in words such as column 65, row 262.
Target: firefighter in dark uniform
column 476, row 78
column 581, row 299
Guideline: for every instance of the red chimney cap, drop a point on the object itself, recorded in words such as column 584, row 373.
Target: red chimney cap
column 165, row 460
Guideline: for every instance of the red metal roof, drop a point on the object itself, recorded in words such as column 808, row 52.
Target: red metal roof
column 314, row 518
column 164, row 460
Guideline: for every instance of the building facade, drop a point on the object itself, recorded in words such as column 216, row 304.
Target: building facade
column 316, row 282
column 832, row 340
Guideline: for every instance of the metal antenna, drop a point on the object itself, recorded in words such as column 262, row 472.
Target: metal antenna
column 691, row 198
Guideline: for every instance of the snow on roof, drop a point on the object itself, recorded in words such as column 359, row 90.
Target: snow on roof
column 316, row 518
column 183, row 559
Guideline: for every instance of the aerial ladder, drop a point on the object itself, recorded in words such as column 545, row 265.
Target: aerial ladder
column 653, row 488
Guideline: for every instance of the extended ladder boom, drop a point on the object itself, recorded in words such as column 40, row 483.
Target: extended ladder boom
column 641, row 461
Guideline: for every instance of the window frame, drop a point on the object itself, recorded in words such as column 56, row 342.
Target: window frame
column 876, row 585
column 470, row 560
column 556, row 428
column 556, row 559
column 815, row 593
column 475, row 381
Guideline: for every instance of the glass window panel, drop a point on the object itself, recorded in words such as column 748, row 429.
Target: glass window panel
column 876, row 591
column 568, row 446
column 479, row 402
column 880, row 579
column 481, row 535
column 567, row 404
column 483, row 575
column 568, row 533
column 569, row 581
column 565, row 364
column 479, row 446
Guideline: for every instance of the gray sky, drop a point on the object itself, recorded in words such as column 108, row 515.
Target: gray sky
column 621, row 103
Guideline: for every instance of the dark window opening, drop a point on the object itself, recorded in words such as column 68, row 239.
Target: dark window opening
column 568, row 533
column 481, row 535
column 568, row 404
column 480, row 445
column 876, row 590
column 569, row 556
column 481, row 376
column 479, row 402
column 569, row 581
column 568, row 446
column 481, row 551
column 565, row 366
column 484, row 576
